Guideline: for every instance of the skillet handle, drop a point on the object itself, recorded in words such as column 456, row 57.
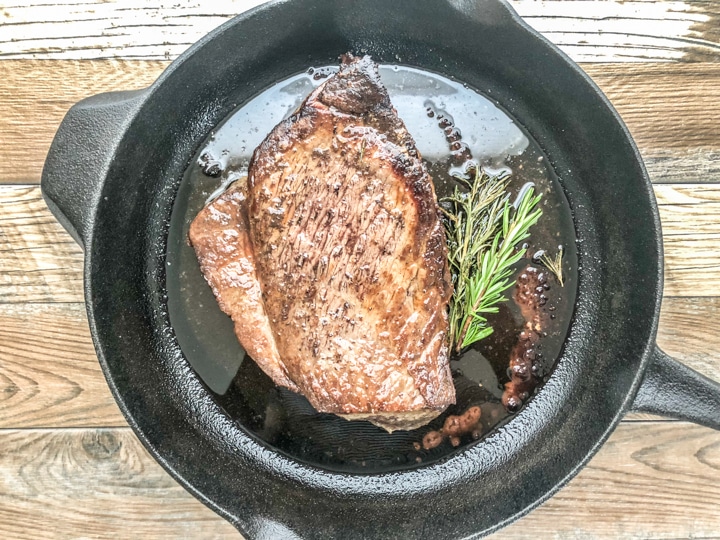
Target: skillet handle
column 80, row 155
column 673, row 389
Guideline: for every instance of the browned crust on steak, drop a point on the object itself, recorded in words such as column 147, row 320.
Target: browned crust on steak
column 219, row 234
column 343, row 180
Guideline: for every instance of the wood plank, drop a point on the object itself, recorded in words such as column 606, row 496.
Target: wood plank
column 620, row 31
column 50, row 377
column 670, row 110
column 665, row 106
column 41, row 263
column 588, row 31
column 679, row 166
column 690, row 216
column 49, row 373
column 93, row 484
column 683, row 333
column 35, row 96
column 650, row 480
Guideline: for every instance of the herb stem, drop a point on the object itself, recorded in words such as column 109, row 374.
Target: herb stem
column 555, row 265
column 483, row 229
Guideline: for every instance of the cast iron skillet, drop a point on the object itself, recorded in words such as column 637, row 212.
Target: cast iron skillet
column 111, row 177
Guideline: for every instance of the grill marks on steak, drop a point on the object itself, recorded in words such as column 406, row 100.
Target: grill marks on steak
column 341, row 233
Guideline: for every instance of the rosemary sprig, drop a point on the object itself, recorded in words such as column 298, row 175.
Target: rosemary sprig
column 554, row 265
column 483, row 227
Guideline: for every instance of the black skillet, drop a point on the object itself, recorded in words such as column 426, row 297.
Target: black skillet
column 111, row 178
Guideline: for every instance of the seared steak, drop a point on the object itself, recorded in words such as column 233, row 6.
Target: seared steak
column 331, row 258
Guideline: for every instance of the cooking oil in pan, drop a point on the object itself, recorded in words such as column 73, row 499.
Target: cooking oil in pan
column 452, row 125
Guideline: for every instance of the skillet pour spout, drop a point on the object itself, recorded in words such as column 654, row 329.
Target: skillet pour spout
column 111, row 178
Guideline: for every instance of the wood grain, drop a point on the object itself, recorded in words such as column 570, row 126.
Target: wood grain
column 50, row 377
column 622, row 31
column 683, row 333
column 650, row 480
column 35, row 96
column 49, row 373
column 69, row 466
column 666, row 106
column 670, row 109
column 682, row 166
column 41, row 263
column 588, row 31
column 93, row 484
column 690, row 217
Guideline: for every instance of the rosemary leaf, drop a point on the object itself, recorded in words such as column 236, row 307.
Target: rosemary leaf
column 483, row 229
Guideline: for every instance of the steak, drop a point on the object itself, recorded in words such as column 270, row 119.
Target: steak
column 331, row 260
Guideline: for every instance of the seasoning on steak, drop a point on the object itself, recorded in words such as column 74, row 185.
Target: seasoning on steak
column 331, row 258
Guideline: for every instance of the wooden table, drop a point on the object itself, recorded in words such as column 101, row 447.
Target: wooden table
column 70, row 466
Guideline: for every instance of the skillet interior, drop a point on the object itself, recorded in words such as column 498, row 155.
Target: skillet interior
column 264, row 493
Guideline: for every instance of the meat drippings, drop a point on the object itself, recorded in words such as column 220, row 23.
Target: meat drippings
column 530, row 296
column 454, row 427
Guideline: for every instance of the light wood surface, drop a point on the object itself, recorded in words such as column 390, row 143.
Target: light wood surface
column 587, row 30
column 100, row 483
column 69, row 465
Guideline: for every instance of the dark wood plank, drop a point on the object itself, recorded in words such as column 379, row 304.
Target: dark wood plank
column 670, row 109
column 693, row 166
